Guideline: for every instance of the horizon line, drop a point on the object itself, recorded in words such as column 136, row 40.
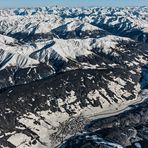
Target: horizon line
column 29, row 7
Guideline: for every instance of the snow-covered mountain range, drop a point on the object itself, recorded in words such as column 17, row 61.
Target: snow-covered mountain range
column 59, row 65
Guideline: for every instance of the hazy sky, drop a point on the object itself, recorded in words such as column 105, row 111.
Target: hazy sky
column 34, row 3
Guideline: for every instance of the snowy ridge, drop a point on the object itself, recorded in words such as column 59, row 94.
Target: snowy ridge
column 66, row 49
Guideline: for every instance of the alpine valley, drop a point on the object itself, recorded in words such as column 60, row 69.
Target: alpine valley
column 74, row 77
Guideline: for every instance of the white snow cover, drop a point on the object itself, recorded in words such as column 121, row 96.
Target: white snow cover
column 71, row 48
column 75, row 24
column 109, row 43
column 43, row 20
column 19, row 139
column 67, row 49
column 47, row 18
column 6, row 40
